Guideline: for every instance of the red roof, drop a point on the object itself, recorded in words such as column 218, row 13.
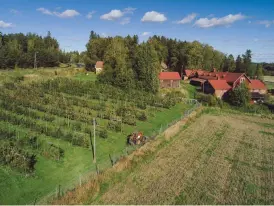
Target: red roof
column 188, row 72
column 233, row 77
column 169, row 76
column 99, row 64
column 219, row 84
column 256, row 84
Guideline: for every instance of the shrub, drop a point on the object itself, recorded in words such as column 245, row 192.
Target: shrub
column 141, row 105
column 103, row 133
column 207, row 99
column 239, row 96
column 141, row 116
column 113, row 125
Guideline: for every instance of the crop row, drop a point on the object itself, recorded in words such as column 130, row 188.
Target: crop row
column 31, row 141
column 41, row 127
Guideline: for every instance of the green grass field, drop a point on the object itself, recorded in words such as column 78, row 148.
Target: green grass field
column 20, row 188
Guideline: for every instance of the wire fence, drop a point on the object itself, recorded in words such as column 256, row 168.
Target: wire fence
column 83, row 178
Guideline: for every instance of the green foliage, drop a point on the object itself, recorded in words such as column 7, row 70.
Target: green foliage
column 114, row 125
column 117, row 69
column 147, row 68
column 15, row 157
column 239, row 96
column 207, row 99
column 103, row 134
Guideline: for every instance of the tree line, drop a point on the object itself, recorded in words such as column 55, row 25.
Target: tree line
column 19, row 50
column 128, row 63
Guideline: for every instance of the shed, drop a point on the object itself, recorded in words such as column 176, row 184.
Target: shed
column 169, row 79
column 99, row 67
column 219, row 88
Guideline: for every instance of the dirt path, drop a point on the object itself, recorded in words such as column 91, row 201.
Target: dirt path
column 217, row 160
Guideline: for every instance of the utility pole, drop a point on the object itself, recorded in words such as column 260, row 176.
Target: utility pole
column 35, row 62
column 94, row 139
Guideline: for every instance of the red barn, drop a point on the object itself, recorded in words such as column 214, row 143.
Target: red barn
column 169, row 79
column 217, row 87
column 257, row 86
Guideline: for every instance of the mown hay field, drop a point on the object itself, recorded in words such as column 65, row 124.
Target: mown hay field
column 219, row 159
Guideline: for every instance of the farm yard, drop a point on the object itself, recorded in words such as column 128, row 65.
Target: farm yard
column 218, row 159
column 46, row 130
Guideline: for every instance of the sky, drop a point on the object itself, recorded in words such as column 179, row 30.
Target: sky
column 231, row 26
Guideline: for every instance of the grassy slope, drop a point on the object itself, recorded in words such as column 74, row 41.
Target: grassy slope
column 230, row 162
column 18, row 189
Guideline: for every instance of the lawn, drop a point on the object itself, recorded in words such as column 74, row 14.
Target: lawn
column 50, row 112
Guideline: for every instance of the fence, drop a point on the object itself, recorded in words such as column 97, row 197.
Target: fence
column 113, row 158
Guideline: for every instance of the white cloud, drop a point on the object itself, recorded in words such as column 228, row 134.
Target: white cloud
column 69, row 13
column 112, row 15
column 125, row 21
column 129, row 10
column 267, row 23
column 14, row 11
column 146, row 33
column 45, row 11
column 90, row 14
column 223, row 21
column 5, row 24
column 188, row 19
column 153, row 16
column 116, row 14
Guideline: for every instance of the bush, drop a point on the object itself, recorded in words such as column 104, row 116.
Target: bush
column 141, row 105
column 207, row 99
column 141, row 116
column 239, row 96
column 115, row 126
column 103, row 134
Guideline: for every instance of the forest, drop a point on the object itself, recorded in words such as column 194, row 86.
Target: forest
column 126, row 58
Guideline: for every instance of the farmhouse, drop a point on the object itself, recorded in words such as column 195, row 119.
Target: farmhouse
column 169, row 79
column 219, row 88
column 99, row 66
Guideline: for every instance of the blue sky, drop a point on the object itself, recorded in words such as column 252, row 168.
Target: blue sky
column 228, row 25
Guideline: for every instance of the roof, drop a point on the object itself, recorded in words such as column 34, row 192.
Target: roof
column 169, row 76
column 99, row 64
column 198, row 80
column 207, row 77
column 256, row 84
column 219, row 84
column 188, row 72
column 233, row 77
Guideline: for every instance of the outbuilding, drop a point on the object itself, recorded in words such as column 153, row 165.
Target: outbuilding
column 219, row 88
column 99, row 67
column 169, row 79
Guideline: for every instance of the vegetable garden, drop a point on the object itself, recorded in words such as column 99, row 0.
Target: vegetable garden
column 47, row 126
